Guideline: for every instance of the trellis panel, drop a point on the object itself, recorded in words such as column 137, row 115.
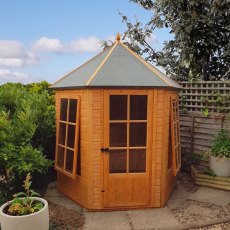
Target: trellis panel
column 208, row 96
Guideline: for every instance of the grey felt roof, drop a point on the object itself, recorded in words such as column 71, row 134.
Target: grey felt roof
column 117, row 66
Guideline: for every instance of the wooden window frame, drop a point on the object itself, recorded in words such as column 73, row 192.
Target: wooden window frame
column 175, row 135
column 76, row 138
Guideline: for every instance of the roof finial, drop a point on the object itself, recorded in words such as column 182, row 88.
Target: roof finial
column 118, row 37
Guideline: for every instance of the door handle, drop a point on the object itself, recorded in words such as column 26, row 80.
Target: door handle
column 105, row 150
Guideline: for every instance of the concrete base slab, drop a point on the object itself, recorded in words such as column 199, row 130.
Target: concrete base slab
column 159, row 218
column 56, row 197
column 213, row 196
column 178, row 196
column 106, row 221
column 207, row 212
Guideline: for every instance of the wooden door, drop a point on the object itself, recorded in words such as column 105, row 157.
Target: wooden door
column 127, row 149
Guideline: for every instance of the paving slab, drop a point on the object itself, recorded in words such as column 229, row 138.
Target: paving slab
column 106, row 221
column 178, row 196
column 158, row 218
column 66, row 202
column 196, row 209
column 212, row 196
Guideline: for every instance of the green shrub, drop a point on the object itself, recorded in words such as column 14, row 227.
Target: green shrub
column 27, row 130
column 221, row 145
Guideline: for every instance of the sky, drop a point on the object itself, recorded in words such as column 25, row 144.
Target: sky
column 46, row 39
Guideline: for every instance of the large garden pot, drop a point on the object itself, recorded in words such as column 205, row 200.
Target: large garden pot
column 220, row 166
column 35, row 221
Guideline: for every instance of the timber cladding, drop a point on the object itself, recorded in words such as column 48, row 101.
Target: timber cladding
column 88, row 188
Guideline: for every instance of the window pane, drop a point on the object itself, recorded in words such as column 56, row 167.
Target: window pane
column 176, row 156
column 117, row 161
column 60, row 156
column 137, row 160
column 138, row 107
column 118, row 135
column 170, row 145
column 69, row 161
column 71, row 136
column 137, row 134
column 118, row 107
column 72, row 110
column 64, row 106
column 178, row 132
column 175, row 134
column 79, row 157
column 62, row 130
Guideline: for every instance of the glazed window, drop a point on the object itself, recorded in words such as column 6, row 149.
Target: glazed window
column 127, row 133
column 68, row 137
column 170, row 143
column 175, row 136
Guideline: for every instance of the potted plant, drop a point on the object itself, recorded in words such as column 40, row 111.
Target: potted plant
column 220, row 154
column 25, row 211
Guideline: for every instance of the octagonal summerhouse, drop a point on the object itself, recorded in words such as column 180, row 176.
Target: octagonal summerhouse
column 118, row 144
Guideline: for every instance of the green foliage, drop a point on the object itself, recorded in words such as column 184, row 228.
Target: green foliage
column 209, row 172
column 22, row 204
column 206, row 112
column 216, row 100
column 198, row 157
column 27, row 132
column 221, row 145
column 200, row 48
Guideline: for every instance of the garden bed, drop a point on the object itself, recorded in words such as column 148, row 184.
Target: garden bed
column 201, row 177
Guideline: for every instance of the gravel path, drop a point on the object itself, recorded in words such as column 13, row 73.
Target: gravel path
column 185, row 217
column 224, row 226
column 62, row 218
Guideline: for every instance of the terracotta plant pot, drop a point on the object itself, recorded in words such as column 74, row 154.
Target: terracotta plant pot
column 35, row 221
column 220, row 166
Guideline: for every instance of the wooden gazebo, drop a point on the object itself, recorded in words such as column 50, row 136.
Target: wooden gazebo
column 118, row 144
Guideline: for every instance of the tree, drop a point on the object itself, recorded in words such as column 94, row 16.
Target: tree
column 200, row 49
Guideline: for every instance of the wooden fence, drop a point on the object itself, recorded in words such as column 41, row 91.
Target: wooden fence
column 198, row 131
column 204, row 111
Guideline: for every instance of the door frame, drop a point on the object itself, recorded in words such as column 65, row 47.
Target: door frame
column 149, row 144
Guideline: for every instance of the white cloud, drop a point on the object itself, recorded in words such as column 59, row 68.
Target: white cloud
column 48, row 44
column 90, row 44
column 13, row 76
column 13, row 62
column 10, row 49
column 13, row 54
column 80, row 45
column 31, row 58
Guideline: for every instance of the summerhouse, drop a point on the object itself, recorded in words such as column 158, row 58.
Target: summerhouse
column 118, row 142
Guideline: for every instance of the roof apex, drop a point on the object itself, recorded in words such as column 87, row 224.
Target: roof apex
column 116, row 66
